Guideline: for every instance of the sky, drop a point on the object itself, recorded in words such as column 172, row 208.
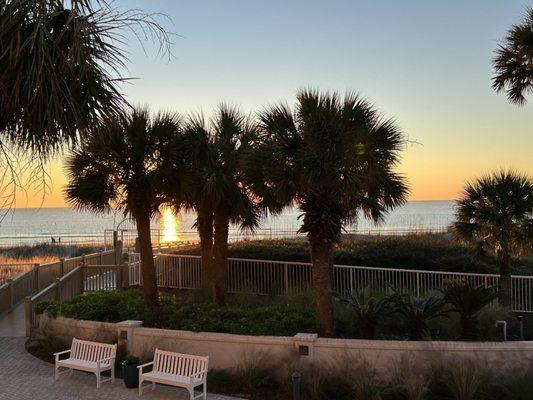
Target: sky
column 427, row 64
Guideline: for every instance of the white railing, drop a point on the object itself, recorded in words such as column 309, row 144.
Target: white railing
column 282, row 277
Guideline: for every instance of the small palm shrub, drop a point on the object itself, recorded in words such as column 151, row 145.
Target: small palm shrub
column 418, row 312
column 468, row 301
column 368, row 310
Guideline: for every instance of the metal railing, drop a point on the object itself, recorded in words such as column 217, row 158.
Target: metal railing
column 39, row 276
column 80, row 279
column 282, row 277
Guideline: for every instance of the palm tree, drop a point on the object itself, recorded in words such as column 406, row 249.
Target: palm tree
column 513, row 62
column 495, row 212
column 468, row 300
column 332, row 157
column 368, row 311
column 60, row 68
column 418, row 312
column 220, row 195
column 126, row 163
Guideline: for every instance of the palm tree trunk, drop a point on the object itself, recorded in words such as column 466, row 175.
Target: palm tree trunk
column 505, row 279
column 205, row 231
column 321, row 258
column 147, row 259
column 220, row 256
column 469, row 326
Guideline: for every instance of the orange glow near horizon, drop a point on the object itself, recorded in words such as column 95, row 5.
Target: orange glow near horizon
column 436, row 170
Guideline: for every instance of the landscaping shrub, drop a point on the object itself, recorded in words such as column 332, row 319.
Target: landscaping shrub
column 363, row 316
column 418, row 251
column 115, row 306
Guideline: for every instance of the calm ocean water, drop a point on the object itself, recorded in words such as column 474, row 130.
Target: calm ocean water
column 65, row 222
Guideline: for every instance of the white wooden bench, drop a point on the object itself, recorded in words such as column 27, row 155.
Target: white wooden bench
column 88, row 356
column 175, row 369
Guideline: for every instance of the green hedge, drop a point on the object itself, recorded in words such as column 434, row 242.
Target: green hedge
column 115, row 306
column 418, row 251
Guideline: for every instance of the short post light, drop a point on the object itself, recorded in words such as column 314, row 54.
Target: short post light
column 296, row 381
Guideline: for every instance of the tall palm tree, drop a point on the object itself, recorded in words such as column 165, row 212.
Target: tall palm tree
column 332, row 157
column 127, row 163
column 495, row 212
column 220, row 196
column 513, row 62
column 61, row 63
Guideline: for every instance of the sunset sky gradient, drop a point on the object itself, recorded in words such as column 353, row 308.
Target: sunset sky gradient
column 425, row 63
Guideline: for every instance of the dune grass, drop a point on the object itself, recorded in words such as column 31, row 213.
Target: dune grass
column 36, row 254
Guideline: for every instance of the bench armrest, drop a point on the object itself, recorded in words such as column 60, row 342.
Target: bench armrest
column 56, row 355
column 140, row 367
column 198, row 374
column 105, row 359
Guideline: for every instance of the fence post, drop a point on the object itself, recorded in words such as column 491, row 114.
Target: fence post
column 61, row 267
column 58, row 289
column 179, row 273
column 418, row 284
column 286, row 277
column 115, row 238
column 125, row 276
column 28, row 315
column 37, row 277
column 82, row 278
column 10, row 289
column 118, row 252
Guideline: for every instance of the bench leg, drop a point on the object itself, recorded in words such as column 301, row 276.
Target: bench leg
column 140, row 387
column 205, row 390
column 56, row 373
column 191, row 392
column 97, row 379
column 153, row 385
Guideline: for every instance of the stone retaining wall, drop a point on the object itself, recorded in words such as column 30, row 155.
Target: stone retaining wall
column 228, row 351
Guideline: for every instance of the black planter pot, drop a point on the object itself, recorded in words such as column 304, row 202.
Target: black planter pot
column 130, row 374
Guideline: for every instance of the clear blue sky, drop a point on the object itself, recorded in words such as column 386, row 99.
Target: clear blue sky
column 426, row 63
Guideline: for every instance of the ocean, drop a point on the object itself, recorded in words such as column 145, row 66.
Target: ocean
column 35, row 225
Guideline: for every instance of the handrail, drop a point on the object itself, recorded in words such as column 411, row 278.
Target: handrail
column 259, row 276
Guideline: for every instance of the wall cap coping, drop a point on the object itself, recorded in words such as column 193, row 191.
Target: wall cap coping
column 82, row 323
column 129, row 324
column 306, row 337
column 214, row 336
column 423, row 345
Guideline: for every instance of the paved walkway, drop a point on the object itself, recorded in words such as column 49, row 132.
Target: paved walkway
column 12, row 324
column 24, row 377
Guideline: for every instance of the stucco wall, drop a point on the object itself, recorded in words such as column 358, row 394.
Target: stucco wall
column 68, row 328
column 229, row 351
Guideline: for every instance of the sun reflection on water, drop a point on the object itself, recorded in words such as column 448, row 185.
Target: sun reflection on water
column 170, row 226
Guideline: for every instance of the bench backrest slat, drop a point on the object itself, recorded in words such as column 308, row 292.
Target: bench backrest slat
column 92, row 351
column 179, row 364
